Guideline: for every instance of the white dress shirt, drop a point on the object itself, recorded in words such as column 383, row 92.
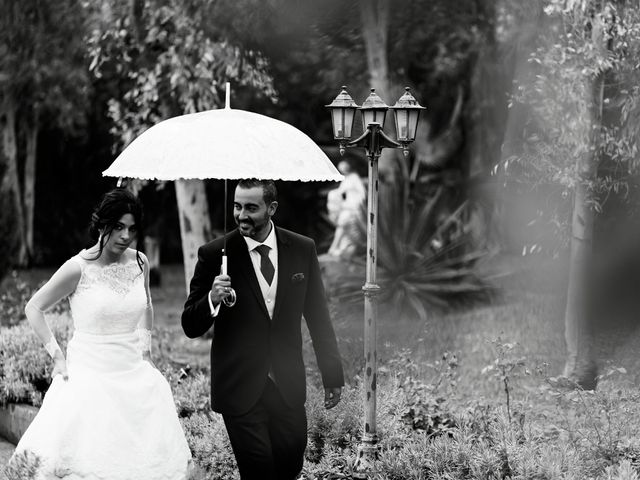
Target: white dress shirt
column 268, row 291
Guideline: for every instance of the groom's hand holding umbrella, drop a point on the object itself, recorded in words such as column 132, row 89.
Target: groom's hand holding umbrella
column 220, row 289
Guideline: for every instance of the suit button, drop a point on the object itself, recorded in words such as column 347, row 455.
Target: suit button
column 268, row 300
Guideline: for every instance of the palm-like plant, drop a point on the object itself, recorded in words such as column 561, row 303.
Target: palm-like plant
column 426, row 258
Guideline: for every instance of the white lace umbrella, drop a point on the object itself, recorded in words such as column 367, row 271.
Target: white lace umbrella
column 223, row 144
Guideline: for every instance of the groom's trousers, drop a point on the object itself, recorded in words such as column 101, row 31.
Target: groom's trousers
column 269, row 440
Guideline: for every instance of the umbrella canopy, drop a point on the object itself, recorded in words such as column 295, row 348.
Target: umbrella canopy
column 223, row 144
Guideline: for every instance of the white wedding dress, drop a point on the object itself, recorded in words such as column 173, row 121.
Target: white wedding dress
column 114, row 419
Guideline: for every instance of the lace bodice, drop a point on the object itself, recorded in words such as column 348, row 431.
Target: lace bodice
column 108, row 299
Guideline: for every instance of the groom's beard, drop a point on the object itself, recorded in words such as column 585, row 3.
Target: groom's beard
column 249, row 228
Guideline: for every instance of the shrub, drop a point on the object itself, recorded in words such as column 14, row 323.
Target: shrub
column 412, row 408
column 15, row 295
column 191, row 391
column 23, row 466
column 424, row 258
column 336, row 429
column 209, row 444
column 25, row 365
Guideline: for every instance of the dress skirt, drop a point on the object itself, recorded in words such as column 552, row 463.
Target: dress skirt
column 114, row 418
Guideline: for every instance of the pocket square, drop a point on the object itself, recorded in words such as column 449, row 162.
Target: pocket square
column 297, row 277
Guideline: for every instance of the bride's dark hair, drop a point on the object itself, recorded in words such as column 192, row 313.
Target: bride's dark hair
column 107, row 214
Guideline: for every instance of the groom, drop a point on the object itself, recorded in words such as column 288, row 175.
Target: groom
column 257, row 370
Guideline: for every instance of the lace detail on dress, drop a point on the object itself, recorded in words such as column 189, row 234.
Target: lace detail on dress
column 119, row 277
column 109, row 299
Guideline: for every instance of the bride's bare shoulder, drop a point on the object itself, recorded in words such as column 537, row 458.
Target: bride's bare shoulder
column 132, row 254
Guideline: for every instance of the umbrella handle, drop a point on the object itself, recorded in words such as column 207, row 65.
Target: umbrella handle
column 223, row 268
column 229, row 301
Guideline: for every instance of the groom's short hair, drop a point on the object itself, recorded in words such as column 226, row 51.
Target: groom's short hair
column 269, row 191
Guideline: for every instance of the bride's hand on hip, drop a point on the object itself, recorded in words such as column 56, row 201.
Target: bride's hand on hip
column 60, row 366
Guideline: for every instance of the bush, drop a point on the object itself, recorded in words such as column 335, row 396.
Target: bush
column 23, row 466
column 16, row 293
column 411, row 410
column 25, row 365
column 426, row 260
column 209, row 444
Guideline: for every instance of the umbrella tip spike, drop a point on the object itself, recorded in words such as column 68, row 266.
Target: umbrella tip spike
column 227, row 98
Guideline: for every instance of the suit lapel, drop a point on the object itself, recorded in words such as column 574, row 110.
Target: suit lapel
column 238, row 252
column 284, row 270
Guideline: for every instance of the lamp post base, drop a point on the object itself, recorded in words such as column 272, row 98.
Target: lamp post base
column 368, row 455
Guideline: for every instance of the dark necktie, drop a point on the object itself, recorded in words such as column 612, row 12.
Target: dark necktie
column 265, row 263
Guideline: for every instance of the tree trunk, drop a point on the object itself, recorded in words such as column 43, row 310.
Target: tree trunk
column 195, row 223
column 152, row 250
column 375, row 24
column 374, row 16
column 580, row 364
column 30, row 184
column 10, row 182
column 581, row 247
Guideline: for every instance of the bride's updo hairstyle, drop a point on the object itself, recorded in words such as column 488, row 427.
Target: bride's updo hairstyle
column 107, row 214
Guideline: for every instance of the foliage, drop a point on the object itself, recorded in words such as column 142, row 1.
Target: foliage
column 23, row 466
column 16, row 293
column 209, row 444
column 43, row 83
column 193, row 395
column 425, row 401
column 559, row 432
column 167, row 61
column 25, row 365
column 506, row 368
column 484, row 443
column 583, row 103
column 42, row 57
column 596, row 420
column 426, row 259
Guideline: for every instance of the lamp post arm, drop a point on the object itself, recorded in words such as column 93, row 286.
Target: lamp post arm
column 387, row 142
column 373, row 139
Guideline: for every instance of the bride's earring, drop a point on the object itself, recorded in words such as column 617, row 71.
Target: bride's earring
column 100, row 239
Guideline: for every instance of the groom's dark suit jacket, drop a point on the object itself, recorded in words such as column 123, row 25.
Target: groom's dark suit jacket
column 245, row 340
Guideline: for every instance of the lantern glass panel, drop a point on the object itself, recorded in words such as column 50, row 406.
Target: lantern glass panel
column 402, row 124
column 342, row 119
column 373, row 115
column 349, row 116
column 413, row 116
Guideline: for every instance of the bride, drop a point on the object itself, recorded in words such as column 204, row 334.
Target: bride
column 109, row 413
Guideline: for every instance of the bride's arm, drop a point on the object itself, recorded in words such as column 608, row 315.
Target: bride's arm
column 145, row 325
column 61, row 284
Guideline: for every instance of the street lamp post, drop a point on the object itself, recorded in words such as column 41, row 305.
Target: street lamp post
column 373, row 140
